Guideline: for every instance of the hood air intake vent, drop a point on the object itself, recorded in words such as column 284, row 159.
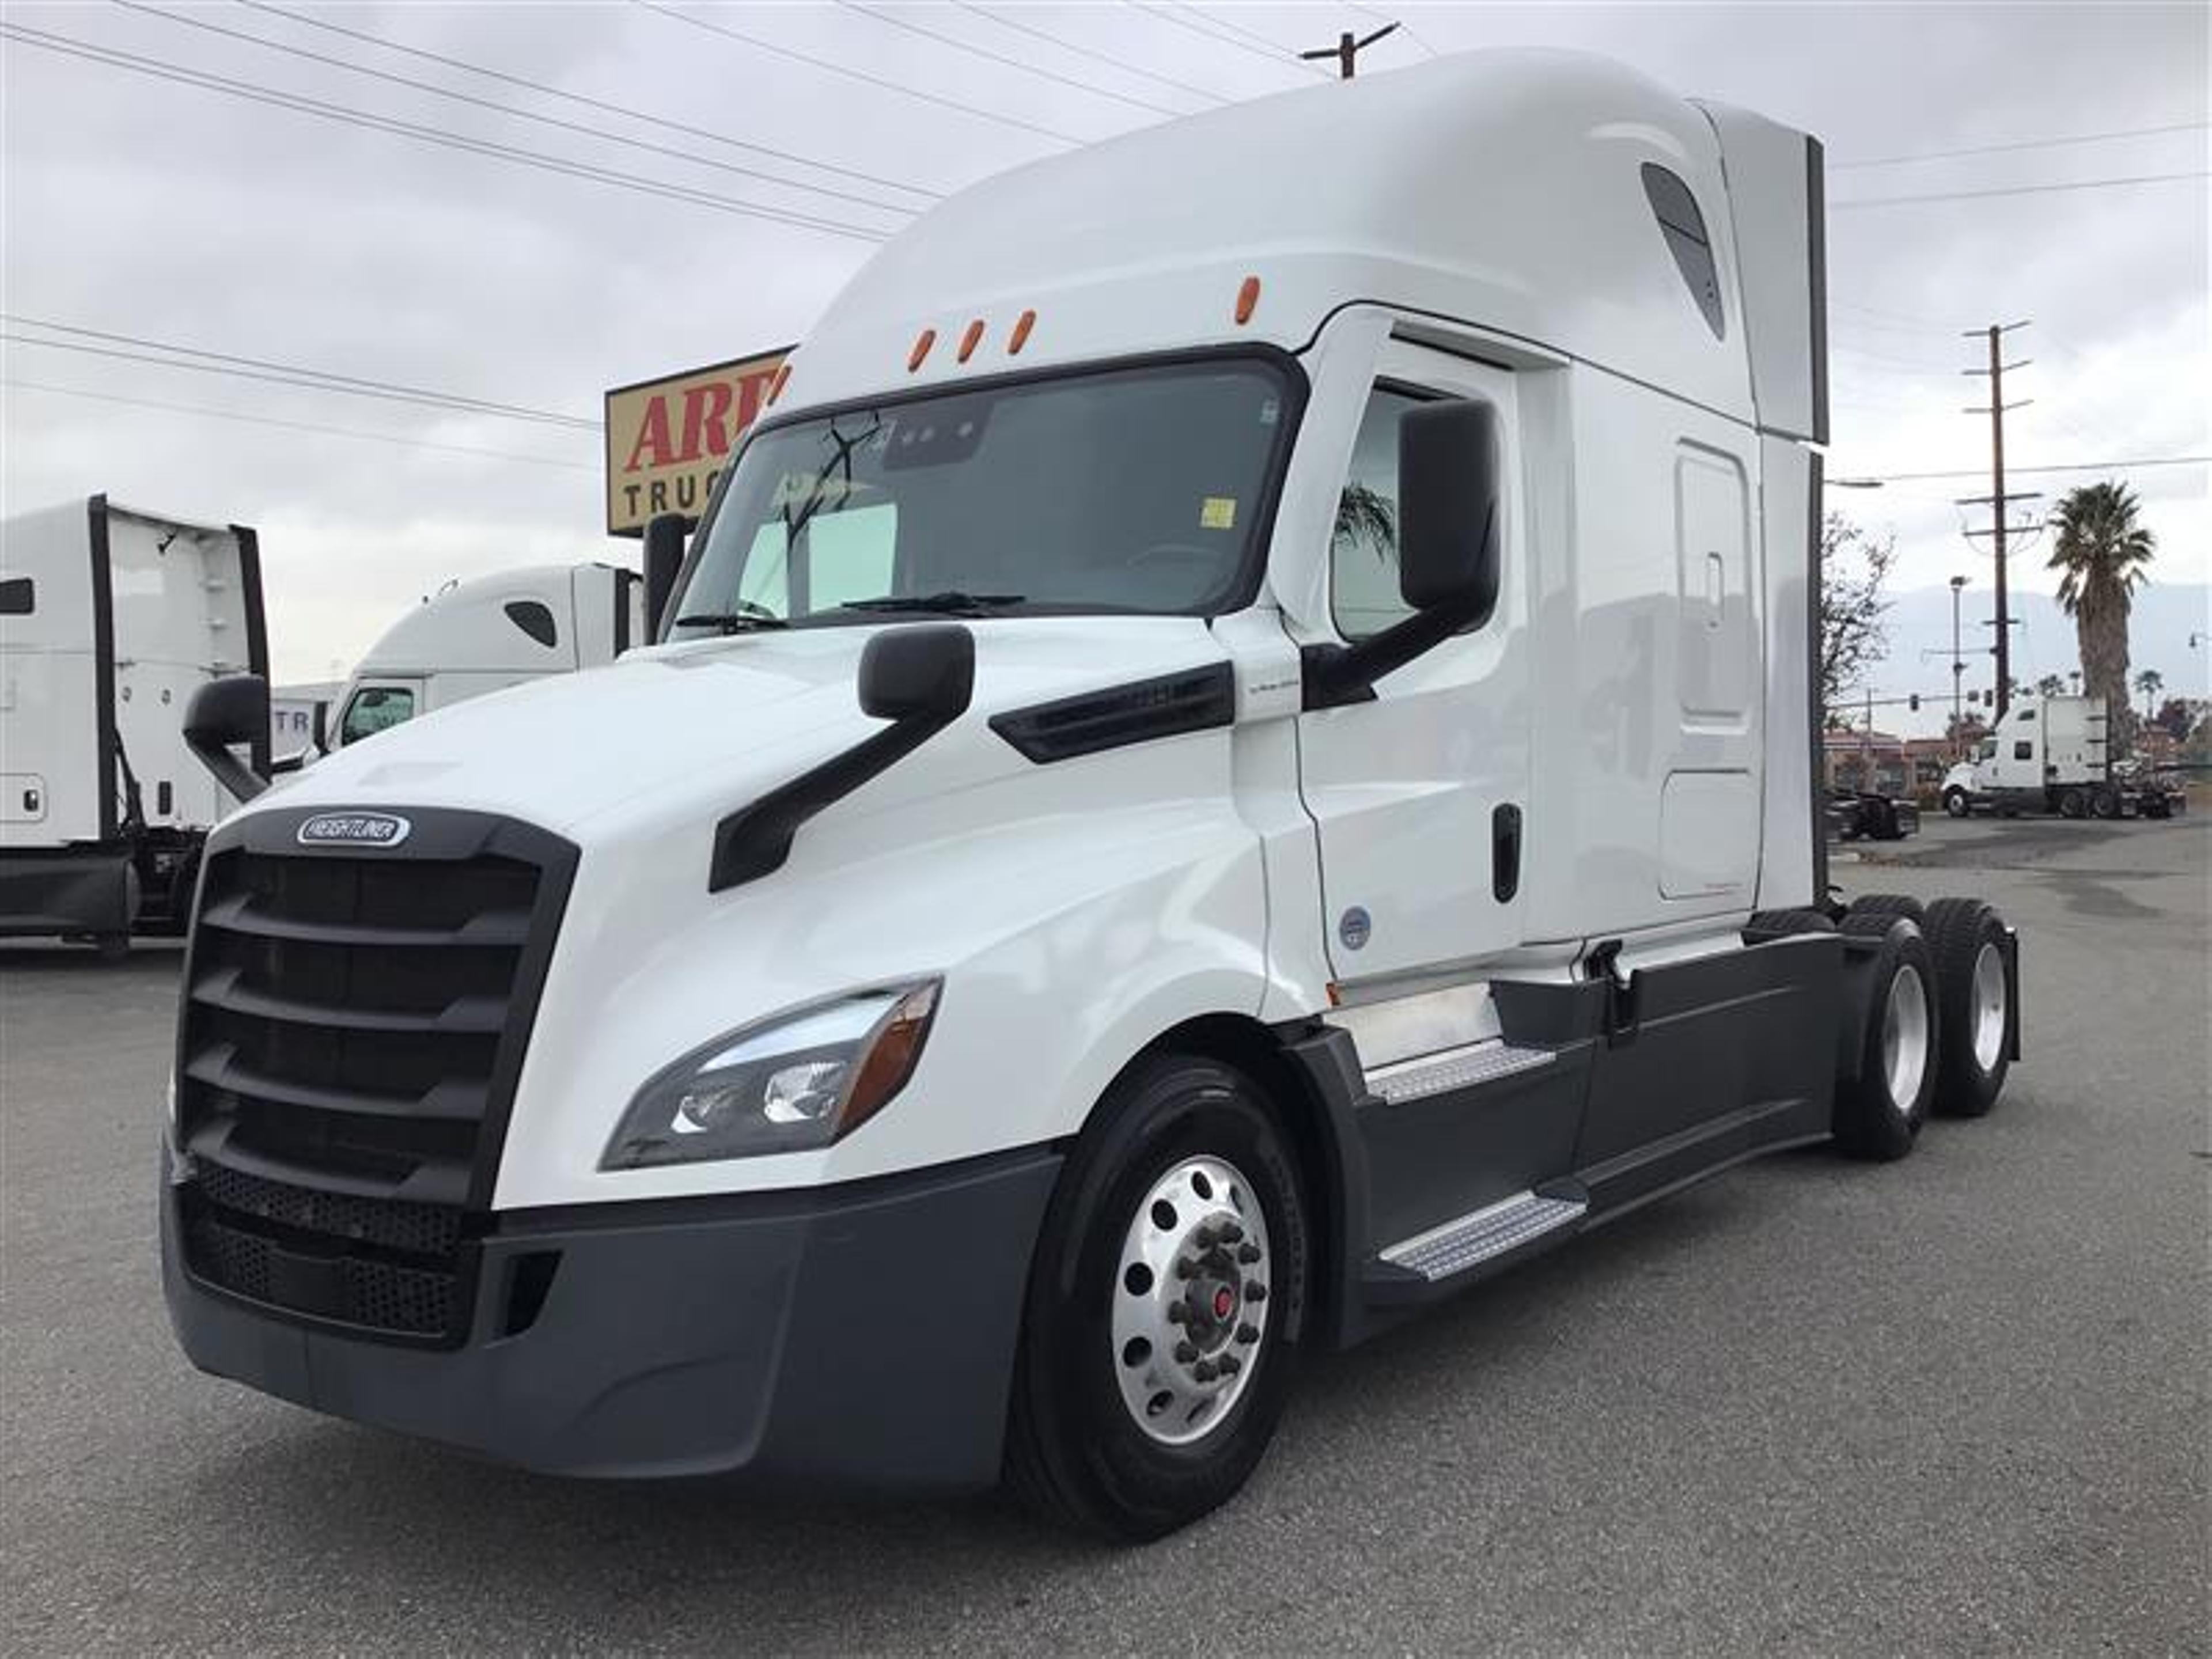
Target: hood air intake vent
column 1192, row 701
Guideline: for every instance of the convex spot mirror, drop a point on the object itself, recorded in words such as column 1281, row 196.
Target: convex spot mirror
column 1449, row 507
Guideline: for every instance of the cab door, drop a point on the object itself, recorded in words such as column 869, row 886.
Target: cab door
column 1420, row 796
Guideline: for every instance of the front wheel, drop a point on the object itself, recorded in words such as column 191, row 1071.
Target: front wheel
column 1957, row 803
column 1166, row 1306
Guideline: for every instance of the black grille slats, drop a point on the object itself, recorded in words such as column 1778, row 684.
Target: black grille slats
column 353, row 1024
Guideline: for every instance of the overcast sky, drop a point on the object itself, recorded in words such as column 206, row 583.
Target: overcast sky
column 139, row 206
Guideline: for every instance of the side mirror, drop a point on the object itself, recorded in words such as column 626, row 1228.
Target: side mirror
column 664, row 560
column 1449, row 557
column 918, row 672
column 225, row 714
column 1448, row 508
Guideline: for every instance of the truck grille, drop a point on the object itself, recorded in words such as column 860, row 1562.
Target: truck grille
column 353, row 1026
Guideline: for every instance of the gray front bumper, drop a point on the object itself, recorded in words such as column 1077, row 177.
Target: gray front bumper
column 863, row 1335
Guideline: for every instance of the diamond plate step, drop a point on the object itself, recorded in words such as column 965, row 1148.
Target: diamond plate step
column 1458, row 1245
column 1454, row 1068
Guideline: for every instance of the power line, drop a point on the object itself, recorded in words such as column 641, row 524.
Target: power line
column 307, row 21
column 295, row 426
column 2021, row 190
column 260, row 94
column 1121, row 64
column 255, row 375
column 988, row 55
column 850, row 73
column 1231, row 27
column 510, row 110
column 479, row 405
column 1897, row 318
column 2070, row 466
column 2018, row 144
column 1188, row 17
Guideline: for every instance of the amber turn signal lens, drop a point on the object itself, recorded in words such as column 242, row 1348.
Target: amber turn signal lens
column 922, row 343
column 971, row 340
column 1019, row 339
column 890, row 1059
column 1247, row 298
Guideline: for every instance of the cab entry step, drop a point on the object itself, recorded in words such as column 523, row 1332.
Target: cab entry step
column 1452, row 1248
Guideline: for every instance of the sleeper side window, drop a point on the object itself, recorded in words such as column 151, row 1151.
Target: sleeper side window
column 2023, row 752
column 17, row 597
column 1362, row 578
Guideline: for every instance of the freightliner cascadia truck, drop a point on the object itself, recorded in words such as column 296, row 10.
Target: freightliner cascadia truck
column 1233, row 755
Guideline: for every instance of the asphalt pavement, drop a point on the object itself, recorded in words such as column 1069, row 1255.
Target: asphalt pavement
column 1956, row 1405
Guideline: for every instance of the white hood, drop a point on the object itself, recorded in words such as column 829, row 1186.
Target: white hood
column 720, row 719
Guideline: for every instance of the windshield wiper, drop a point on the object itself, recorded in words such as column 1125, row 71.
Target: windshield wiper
column 733, row 621
column 950, row 603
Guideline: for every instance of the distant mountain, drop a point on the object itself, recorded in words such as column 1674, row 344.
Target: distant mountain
column 1919, row 630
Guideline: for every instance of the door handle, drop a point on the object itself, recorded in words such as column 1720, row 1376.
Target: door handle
column 1504, row 852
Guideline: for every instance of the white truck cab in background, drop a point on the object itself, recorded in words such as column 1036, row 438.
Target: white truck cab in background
column 2052, row 754
column 488, row 633
column 110, row 619
column 1234, row 754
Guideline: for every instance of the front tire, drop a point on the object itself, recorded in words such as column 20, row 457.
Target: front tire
column 1957, row 803
column 1166, row 1307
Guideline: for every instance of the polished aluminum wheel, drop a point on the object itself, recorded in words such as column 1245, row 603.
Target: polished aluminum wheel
column 1988, row 1007
column 1190, row 1300
column 1904, row 1030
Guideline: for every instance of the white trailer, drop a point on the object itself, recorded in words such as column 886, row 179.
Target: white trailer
column 1234, row 755
column 110, row 619
column 2052, row 754
column 489, row 633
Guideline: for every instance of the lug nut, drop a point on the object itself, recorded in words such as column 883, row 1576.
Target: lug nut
column 1230, row 1232
column 1255, row 1292
column 1185, row 1267
column 1247, row 1332
column 1178, row 1313
column 1247, row 1253
column 1205, row 1370
column 1185, row 1352
column 1231, row 1365
column 1202, row 1236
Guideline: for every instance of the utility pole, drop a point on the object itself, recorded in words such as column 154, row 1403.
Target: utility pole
column 1996, row 411
column 1347, row 49
column 1958, row 662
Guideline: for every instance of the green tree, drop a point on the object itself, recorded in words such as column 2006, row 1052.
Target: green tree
column 1854, row 570
column 2101, row 553
column 2150, row 682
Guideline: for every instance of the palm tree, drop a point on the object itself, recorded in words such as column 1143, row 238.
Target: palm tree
column 2102, row 551
column 2050, row 686
column 2150, row 682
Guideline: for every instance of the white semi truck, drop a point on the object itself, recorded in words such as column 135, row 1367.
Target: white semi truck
column 489, row 633
column 1234, row 756
column 110, row 619
column 2053, row 755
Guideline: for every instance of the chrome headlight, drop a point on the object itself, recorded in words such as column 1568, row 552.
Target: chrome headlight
column 791, row 1084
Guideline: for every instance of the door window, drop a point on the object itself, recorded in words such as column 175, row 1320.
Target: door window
column 373, row 707
column 1363, row 583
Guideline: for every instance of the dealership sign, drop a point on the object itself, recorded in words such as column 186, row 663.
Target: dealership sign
column 667, row 439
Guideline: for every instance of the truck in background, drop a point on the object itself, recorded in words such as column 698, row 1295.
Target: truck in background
column 110, row 619
column 490, row 632
column 2054, row 755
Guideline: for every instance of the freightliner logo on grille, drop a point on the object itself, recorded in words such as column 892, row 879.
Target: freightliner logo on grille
column 354, row 830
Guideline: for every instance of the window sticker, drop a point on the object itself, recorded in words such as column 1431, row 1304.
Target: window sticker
column 1217, row 513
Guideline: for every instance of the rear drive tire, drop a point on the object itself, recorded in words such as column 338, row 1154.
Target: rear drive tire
column 1887, row 904
column 1973, row 996
column 2106, row 802
column 1879, row 1112
column 1786, row 923
column 1176, row 1240
column 2073, row 804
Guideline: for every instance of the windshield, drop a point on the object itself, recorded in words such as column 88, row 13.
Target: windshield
column 1132, row 490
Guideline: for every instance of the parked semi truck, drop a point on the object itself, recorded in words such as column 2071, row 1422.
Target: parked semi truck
column 2054, row 755
column 1232, row 757
column 489, row 633
column 110, row 619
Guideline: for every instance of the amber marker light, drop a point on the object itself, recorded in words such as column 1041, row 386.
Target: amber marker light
column 971, row 340
column 922, row 341
column 1020, row 336
column 1247, row 298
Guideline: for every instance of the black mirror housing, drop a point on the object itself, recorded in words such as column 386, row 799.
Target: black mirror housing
column 918, row 671
column 224, row 715
column 1448, row 508
column 663, row 562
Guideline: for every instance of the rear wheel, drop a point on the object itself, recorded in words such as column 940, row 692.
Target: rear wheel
column 1888, row 904
column 2106, row 802
column 1973, row 994
column 1879, row 1112
column 2073, row 804
column 1165, row 1308
column 1786, row 923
